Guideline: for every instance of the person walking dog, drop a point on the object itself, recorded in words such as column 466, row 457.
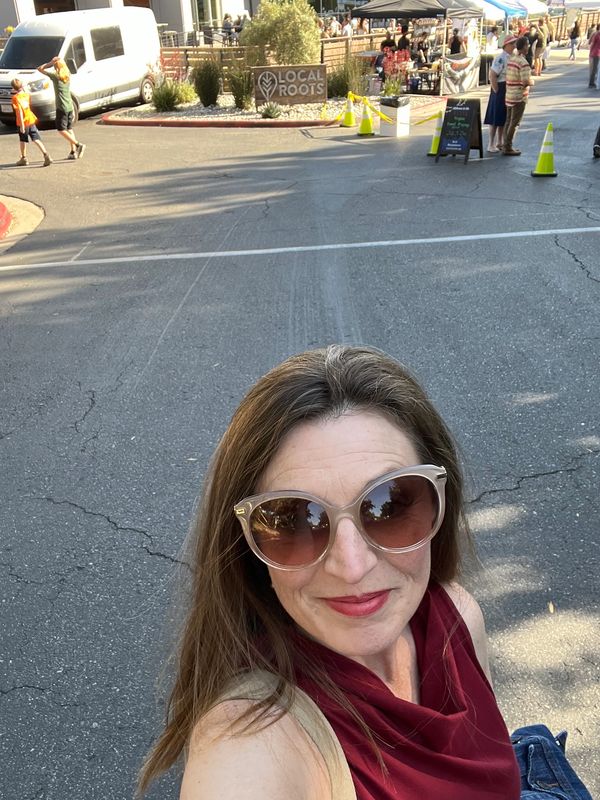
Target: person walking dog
column 60, row 76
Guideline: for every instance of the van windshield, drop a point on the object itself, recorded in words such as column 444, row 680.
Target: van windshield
column 28, row 52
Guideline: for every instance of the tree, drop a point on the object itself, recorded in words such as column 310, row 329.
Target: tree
column 286, row 30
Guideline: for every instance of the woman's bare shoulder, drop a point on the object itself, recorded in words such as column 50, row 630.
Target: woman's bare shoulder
column 472, row 615
column 277, row 762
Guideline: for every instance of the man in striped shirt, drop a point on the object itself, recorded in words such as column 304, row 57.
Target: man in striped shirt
column 518, row 81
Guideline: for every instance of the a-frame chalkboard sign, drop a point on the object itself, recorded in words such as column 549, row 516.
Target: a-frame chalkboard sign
column 461, row 129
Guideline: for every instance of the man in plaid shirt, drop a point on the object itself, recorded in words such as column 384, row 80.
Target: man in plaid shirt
column 518, row 81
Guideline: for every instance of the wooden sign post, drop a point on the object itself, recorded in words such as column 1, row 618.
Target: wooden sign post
column 461, row 129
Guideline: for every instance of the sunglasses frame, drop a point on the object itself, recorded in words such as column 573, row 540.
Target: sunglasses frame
column 435, row 475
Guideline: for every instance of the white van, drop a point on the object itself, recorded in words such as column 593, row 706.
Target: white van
column 111, row 53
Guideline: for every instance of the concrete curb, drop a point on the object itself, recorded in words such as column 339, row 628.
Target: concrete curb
column 114, row 119
column 5, row 220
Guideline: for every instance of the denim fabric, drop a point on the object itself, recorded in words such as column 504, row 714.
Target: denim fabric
column 545, row 772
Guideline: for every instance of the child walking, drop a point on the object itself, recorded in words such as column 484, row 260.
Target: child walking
column 26, row 122
column 61, row 79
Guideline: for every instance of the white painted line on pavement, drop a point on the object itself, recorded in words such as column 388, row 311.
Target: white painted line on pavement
column 312, row 248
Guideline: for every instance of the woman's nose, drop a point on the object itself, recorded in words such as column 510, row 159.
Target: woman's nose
column 350, row 557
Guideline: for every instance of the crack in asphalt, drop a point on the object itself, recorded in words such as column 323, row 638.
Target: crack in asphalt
column 119, row 379
column 92, row 402
column 38, row 410
column 108, row 519
column 534, row 476
column 45, row 690
column 119, row 528
column 578, row 261
column 20, row 578
column 172, row 559
column 25, row 686
column 588, row 213
column 91, row 438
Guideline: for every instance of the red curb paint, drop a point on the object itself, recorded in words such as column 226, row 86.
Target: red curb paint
column 5, row 220
column 110, row 119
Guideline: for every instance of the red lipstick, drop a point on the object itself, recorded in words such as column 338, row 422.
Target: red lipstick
column 358, row 606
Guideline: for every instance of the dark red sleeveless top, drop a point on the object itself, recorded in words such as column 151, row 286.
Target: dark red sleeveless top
column 454, row 745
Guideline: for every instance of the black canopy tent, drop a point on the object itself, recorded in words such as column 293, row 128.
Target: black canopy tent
column 419, row 9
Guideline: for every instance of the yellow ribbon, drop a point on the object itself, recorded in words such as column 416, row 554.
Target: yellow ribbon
column 357, row 99
column 428, row 119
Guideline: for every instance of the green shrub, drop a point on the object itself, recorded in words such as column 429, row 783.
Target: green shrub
column 185, row 92
column 337, row 82
column 207, row 78
column 349, row 77
column 242, row 87
column 270, row 111
column 166, row 96
column 285, row 30
column 393, row 86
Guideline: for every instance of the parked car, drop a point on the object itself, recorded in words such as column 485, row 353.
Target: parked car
column 111, row 53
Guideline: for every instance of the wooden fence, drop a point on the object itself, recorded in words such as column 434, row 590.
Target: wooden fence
column 586, row 20
column 177, row 62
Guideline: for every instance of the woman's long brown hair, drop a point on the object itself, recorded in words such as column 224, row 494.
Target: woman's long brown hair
column 235, row 622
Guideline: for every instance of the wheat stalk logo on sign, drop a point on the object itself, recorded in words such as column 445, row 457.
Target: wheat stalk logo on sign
column 267, row 83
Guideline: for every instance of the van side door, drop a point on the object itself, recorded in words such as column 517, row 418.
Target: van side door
column 110, row 68
column 77, row 53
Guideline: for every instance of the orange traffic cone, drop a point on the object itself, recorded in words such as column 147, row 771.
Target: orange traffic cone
column 545, row 163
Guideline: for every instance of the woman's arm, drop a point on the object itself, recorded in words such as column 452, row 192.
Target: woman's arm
column 493, row 80
column 279, row 762
column 469, row 610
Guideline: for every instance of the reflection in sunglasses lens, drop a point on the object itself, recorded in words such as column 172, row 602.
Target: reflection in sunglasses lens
column 400, row 512
column 290, row 531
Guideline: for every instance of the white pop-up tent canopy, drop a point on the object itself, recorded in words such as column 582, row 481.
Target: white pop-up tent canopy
column 584, row 5
column 522, row 8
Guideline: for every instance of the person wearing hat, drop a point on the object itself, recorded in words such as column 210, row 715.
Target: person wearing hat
column 518, row 81
column 495, row 115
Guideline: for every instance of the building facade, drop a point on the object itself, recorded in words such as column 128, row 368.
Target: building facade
column 172, row 15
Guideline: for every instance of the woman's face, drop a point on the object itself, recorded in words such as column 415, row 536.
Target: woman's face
column 358, row 600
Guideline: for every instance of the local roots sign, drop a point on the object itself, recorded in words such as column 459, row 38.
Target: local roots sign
column 288, row 85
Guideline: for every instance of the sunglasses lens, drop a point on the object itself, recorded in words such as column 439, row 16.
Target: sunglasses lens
column 400, row 512
column 290, row 531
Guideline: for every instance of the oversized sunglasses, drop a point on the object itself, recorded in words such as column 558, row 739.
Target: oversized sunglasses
column 396, row 513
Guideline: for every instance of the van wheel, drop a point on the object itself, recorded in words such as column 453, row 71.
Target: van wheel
column 146, row 90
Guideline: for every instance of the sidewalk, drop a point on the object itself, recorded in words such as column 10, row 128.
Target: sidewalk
column 18, row 218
